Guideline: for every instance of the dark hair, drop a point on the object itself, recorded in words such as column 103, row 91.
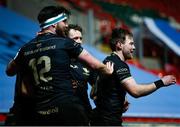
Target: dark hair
column 51, row 11
column 75, row 27
column 118, row 35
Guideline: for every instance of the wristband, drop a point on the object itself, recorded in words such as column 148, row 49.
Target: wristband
column 159, row 84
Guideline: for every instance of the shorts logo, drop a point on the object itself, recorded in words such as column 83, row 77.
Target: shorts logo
column 49, row 111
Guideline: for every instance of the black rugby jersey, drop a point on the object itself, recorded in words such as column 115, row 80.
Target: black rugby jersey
column 110, row 94
column 46, row 59
column 82, row 75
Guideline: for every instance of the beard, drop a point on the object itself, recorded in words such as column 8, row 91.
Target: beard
column 127, row 55
column 62, row 32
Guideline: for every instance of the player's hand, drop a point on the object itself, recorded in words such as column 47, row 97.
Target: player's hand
column 74, row 84
column 110, row 67
column 168, row 80
column 125, row 106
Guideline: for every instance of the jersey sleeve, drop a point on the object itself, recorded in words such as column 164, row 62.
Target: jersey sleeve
column 73, row 48
column 18, row 57
column 19, row 61
column 122, row 71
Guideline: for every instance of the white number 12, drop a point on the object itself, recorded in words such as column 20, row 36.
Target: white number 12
column 40, row 75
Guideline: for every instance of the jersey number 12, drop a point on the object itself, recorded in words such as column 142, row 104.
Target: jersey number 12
column 39, row 75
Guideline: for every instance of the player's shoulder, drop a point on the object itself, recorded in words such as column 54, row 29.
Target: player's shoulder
column 63, row 40
column 56, row 38
column 113, row 57
column 50, row 38
column 116, row 60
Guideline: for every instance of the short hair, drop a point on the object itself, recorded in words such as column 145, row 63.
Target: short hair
column 51, row 11
column 75, row 27
column 118, row 35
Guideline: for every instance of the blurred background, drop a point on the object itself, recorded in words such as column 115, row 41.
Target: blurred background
column 155, row 25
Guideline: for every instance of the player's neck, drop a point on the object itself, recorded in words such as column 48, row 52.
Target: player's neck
column 48, row 30
column 120, row 55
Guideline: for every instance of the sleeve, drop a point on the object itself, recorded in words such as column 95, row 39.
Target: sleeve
column 73, row 48
column 18, row 57
column 122, row 71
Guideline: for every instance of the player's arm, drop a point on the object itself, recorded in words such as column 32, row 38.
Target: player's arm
column 138, row 90
column 11, row 68
column 95, row 63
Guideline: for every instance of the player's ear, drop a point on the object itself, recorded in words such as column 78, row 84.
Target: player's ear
column 119, row 45
column 54, row 25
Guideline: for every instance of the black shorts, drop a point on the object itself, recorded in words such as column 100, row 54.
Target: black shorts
column 20, row 116
column 66, row 115
column 101, row 118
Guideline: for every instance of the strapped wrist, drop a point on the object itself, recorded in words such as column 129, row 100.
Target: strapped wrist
column 159, row 84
